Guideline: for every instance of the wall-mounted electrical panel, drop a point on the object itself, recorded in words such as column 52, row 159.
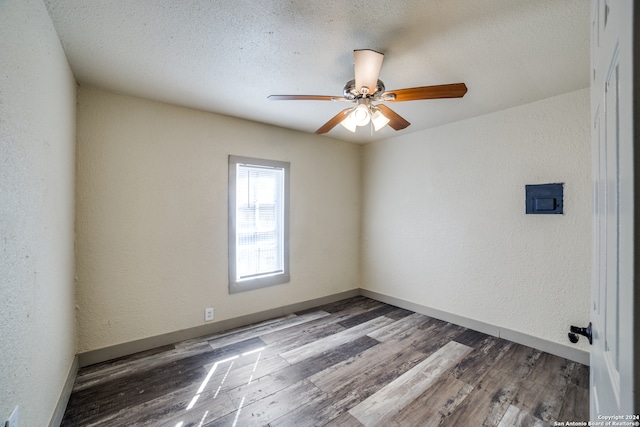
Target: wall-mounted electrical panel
column 544, row 198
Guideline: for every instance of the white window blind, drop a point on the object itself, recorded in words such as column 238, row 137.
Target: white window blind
column 258, row 211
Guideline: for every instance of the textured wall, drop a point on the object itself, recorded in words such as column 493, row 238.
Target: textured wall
column 37, row 143
column 445, row 223
column 152, row 216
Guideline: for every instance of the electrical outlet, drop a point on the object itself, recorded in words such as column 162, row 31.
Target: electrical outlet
column 13, row 419
column 208, row 314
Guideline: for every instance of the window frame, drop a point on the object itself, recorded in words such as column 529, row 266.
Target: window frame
column 258, row 282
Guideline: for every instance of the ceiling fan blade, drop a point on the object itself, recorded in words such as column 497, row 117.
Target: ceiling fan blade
column 367, row 64
column 455, row 90
column 302, row 97
column 395, row 120
column 334, row 121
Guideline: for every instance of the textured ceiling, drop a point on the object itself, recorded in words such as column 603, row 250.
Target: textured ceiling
column 227, row 56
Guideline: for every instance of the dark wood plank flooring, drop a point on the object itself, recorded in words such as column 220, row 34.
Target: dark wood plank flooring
column 351, row 363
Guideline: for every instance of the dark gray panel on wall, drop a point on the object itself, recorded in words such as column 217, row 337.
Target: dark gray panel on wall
column 544, row 198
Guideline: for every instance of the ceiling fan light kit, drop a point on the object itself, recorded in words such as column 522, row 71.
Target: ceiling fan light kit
column 379, row 120
column 367, row 87
column 363, row 114
column 349, row 124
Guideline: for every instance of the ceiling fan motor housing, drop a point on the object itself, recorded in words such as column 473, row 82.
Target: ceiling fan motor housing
column 351, row 92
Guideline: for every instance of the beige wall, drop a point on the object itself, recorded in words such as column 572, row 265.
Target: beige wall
column 445, row 223
column 152, row 216
column 37, row 143
column 442, row 224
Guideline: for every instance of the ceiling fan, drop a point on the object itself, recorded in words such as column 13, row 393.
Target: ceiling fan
column 366, row 89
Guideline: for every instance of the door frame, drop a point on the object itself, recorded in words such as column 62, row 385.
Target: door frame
column 619, row 44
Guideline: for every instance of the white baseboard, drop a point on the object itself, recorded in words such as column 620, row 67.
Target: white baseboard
column 63, row 400
column 567, row 352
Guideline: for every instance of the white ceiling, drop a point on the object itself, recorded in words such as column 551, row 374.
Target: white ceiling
column 227, row 56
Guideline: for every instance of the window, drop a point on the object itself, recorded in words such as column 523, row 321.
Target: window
column 258, row 223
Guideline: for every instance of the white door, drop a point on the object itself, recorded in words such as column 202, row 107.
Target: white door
column 612, row 355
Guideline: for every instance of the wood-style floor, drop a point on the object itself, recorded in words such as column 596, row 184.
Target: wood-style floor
column 351, row 363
